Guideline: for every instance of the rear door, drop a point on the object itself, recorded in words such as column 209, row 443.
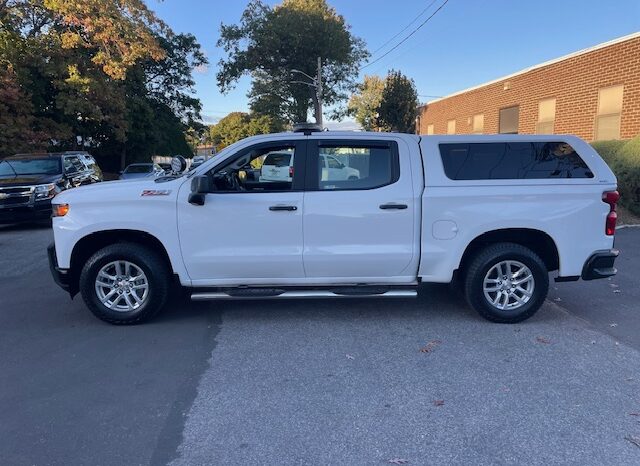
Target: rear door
column 359, row 229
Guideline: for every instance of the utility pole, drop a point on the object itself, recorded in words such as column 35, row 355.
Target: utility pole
column 319, row 94
column 316, row 95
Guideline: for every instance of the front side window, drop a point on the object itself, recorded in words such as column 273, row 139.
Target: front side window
column 512, row 161
column 262, row 169
column 353, row 166
column 73, row 165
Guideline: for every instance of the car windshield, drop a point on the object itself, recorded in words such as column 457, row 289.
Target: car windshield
column 44, row 166
column 146, row 168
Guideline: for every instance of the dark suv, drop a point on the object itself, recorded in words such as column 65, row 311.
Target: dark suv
column 28, row 182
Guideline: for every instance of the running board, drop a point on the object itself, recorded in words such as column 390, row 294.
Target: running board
column 282, row 294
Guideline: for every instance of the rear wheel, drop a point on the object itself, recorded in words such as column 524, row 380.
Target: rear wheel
column 506, row 283
column 125, row 283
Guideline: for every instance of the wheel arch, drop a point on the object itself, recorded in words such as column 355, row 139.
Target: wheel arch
column 89, row 244
column 536, row 240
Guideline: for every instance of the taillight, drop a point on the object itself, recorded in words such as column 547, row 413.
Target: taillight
column 611, row 198
column 290, row 172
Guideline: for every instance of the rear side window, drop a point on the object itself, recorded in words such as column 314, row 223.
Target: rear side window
column 356, row 166
column 512, row 161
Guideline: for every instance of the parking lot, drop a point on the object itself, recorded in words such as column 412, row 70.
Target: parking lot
column 421, row 381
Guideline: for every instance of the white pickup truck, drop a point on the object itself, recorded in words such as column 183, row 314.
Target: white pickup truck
column 494, row 214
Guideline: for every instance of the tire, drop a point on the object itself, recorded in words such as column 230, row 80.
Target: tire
column 148, row 301
column 518, row 301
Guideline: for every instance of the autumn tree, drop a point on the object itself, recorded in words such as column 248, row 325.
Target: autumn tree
column 364, row 105
column 102, row 75
column 399, row 105
column 270, row 42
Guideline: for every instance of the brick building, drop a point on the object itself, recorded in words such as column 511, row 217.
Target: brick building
column 593, row 93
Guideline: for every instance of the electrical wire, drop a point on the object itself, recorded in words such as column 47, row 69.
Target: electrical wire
column 406, row 38
column 405, row 28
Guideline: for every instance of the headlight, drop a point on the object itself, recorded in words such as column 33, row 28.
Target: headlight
column 45, row 191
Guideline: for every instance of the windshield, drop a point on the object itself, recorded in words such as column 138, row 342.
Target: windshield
column 46, row 166
column 139, row 169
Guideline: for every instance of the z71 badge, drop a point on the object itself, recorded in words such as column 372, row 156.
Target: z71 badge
column 155, row 192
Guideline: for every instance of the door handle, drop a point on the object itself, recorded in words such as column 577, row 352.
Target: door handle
column 392, row 206
column 275, row 208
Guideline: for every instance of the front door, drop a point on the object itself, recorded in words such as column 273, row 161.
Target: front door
column 359, row 227
column 249, row 231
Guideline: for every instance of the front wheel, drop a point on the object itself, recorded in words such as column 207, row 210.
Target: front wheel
column 125, row 283
column 506, row 283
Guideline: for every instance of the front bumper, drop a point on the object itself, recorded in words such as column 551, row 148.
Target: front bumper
column 60, row 276
column 28, row 213
column 600, row 265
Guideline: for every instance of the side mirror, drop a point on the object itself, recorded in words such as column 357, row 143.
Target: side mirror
column 200, row 186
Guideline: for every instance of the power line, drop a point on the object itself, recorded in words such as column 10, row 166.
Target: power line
column 406, row 38
column 405, row 28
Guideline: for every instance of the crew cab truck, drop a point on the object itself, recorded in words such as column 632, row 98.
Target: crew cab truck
column 495, row 214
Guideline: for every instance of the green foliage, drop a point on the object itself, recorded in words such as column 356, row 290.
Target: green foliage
column 364, row 105
column 238, row 125
column 269, row 42
column 608, row 150
column 104, row 76
column 399, row 105
column 626, row 166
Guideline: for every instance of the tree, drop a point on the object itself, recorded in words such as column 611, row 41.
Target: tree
column 365, row 104
column 270, row 42
column 239, row 125
column 104, row 76
column 399, row 105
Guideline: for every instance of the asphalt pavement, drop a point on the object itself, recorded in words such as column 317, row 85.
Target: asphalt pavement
column 353, row 382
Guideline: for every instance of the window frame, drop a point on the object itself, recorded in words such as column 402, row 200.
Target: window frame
column 500, row 119
column 299, row 165
column 608, row 115
column 312, row 183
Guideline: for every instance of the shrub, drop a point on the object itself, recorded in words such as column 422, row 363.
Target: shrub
column 626, row 166
column 608, row 150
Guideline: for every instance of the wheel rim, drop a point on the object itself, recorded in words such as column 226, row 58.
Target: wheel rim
column 508, row 285
column 122, row 286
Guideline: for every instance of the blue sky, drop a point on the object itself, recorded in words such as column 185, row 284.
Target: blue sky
column 467, row 43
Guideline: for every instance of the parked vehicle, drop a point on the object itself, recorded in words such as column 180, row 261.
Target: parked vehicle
column 141, row 170
column 28, row 182
column 166, row 167
column 197, row 161
column 278, row 166
column 494, row 214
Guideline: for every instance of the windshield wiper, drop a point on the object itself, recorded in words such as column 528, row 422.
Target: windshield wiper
column 10, row 166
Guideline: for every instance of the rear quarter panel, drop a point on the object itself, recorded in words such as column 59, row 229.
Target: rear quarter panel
column 455, row 212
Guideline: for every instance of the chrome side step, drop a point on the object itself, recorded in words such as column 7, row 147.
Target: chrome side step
column 205, row 296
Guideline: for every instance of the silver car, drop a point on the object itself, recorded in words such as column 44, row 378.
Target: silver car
column 141, row 170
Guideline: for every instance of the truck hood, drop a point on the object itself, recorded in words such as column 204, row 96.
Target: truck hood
column 118, row 191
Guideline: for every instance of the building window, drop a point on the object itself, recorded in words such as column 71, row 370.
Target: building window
column 609, row 110
column 546, row 116
column 430, row 129
column 451, row 127
column 477, row 124
column 509, row 120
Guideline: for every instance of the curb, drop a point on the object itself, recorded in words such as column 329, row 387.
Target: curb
column 633, row 225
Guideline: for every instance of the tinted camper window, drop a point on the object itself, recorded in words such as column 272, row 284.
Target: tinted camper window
column 512, row 161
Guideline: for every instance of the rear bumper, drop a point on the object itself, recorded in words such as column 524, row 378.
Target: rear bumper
column 60, row 276
column 600, row 265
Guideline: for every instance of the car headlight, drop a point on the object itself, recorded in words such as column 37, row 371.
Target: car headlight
column 45, row 191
